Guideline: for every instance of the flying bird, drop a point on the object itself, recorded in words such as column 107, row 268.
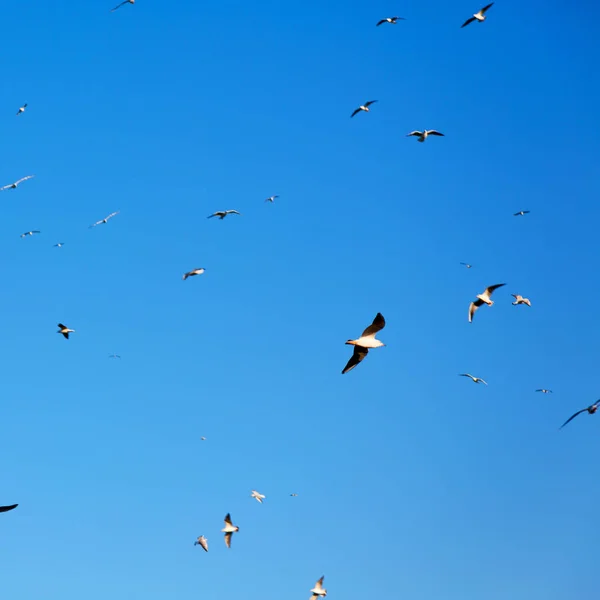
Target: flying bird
column 484, row 298
column 544, row 391
column 467, row 265
column 203, row 439
column 520, row 300
column 22, row 109
column 105, row 220
column 193, row 272
column 590, row 409
column 521, row 213
column 271, row 198
column 7, row 508
column 113, row 356
column 478, row 16
column 229, row 530
column 64, row 330
column 293, row 494
column 475, row 379
column 30, row 233
column 423, row 135
column 364, row 342
column 124, row 2
column 202, row 541
column 13, row 186
column 318, row 590
column 59, row 245
column 364, row 107
column 391, row 20
column 223, row 213
column 259, row 497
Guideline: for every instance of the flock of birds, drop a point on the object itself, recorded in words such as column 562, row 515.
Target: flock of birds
column 365, row 342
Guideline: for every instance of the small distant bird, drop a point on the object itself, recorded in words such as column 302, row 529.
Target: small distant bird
column 64, row 330
column 202, row 541
column 364, row 107
column 105, row 220
column 467, row 265
column 271, row 198
column 423, row 135
column 124, row 2
column 193, row 272
column 521, row 213
column 544, row 391
column 22, row 109
column 229, row 530
column 259, row 497
column 364, row 342
column 7, row 508
column 223, row 213
column 520, row 300
column 59, row 245
column 475, row 379
column 318, row 590
column 13, row 186
column 590, row 409
column 203, row 439
column 293, row 494
column 479, row 16
column 113, row 356
column 390, row 20
column 30, row 233
column 484, row 298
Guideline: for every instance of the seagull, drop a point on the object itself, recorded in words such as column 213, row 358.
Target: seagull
column 229, row 530
column 467, row 265
column 479, row 16
column 318, row 590
column 364, row 107
column 390, row 20
column 521, row 213
column 59, row 245
column 293, row 494
column 105, row 220
column 202, row 541
column 364, row 342
column 124, row 2
column 259, row 497
column 65, row 330
column 223, row 213
column 193, row 272
column 30, row 233
column 22, row 109
column 113, row 356
column 271, row 198
column 520, row 300
column 544, row 391
column 203, row 439
column 13, row 186
column 475, row 379
column 484, row 298
column 7, row 508
column 590, row 409
column 422, row 135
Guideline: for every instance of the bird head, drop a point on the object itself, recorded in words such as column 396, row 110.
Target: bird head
column 351, row 343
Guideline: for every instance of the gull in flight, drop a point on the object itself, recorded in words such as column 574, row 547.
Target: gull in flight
column 124, row 2
column 521, row 213
column 590, row 409
column 318, row 590
column 390, row 20
column 293, row 494
column 520, row 300
column 475, row 379
column 203, row 439
column 22, row 109
column 202, row 541
column 105, row 220
column 113, row 356
column 59, row 245
column 484, row 298
column 64, row 330
column 467, row 265
column 364, row 342
column 13, row 186
column 259, row 497
column 223, row 213
column 229, row 530
column 544, row 391
column 271, row 198
column 423, row 135
column 364, row 107
column 479, row 16
column 30, row 233
column 193, row 272
column 7, row 508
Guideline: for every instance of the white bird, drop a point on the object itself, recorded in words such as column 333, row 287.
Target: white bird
column 259, row 497
column 423, row 135
column 13, row 186
column 520, row 300
column 271, row 198
column 364, row 342
column 124, row 2
column 223, row 213
column 391, row 20
column 467, row 265
column 64, row 330
column 22, row 109
column 113, row 356
column 475, row 379
column 59, row 245
column 229, row 530
column 318, row 590
column 203, row 542
column 484, row 298
column 544, row 391
column 521, row 213
column 30, row 233
column 478, row 16
column 193, row 272
column 364, row 107
column 106, row 219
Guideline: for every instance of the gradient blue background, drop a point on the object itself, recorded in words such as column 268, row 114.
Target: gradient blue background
column 412, row 482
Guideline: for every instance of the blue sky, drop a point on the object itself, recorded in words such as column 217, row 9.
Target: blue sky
column 410, row 480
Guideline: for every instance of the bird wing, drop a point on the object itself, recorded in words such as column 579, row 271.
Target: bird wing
column 367, row 104
column 467, row 22
column 485, row 8
column 434, row 132
column 490, row 290
column 219, row 213
column 119, row 5
column 419, row 133
column 185, row 276
column 465, row 375
column 473, row 307
column 572, row 417
column 482, row 380
column 62, row 326
column 203, row 542
column 7, row 508
column 357, row 356
column 23, row 179
column 319, row 584
column 112, row 215
column 355, row 112
column 228, row 540
column 380, row 22
column 228, row 519
column 377, row 325
column 232, row 212
column 66, row 334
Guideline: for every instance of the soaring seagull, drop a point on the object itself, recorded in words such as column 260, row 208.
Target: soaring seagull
column 64, row 330
column 193, row 272
column 203, row 542
column 520, row 300
column 423, row 135
column 7, row 508
column 124, row 2
column 390, row 20
column 363, row 107
column 590, row 409
column 318, row 590
column 475, row 379
column 521, row 213
column 22, row 109
column 544, row 391
column 223, row 213
column 478, row 16
column 467, row 265
column 59, row 245
column 229, row 530
column 271, row 198
column 105, row 220
column 364, row 342
column 484, row 298
column 258, row 496
column 33, row 231
column 13, row 186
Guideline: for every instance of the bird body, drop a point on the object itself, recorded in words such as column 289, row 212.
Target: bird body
column 364, row 107
column 478, row 16
column 64, row 330
column 229, row 530
column 484, row 298
column 258, row 496
column 365, row 342
column 193, row 272
column 423, row 135
column 390, row 20
column 202, row 542
column 223, row 213
column 520, row 300
column 318, row 590
column 475, row 379
column 13, row 186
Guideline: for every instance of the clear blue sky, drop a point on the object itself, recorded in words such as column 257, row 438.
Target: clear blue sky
column 411, row 480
